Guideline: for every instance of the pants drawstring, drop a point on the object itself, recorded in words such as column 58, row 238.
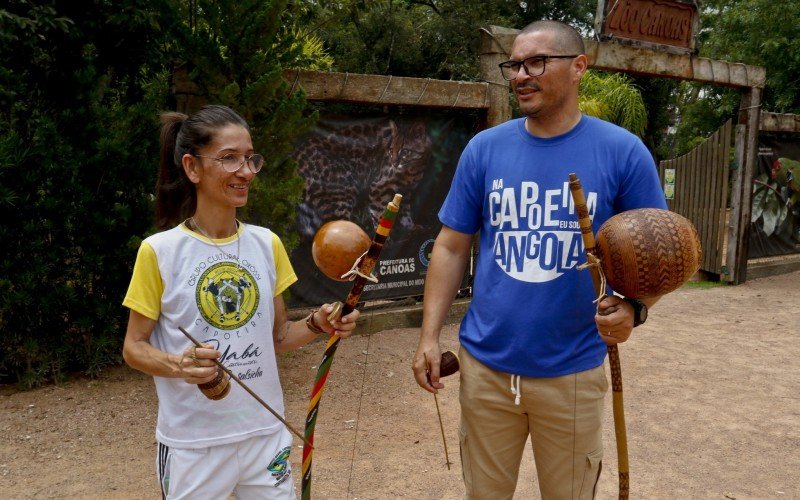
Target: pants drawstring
column 515, row 390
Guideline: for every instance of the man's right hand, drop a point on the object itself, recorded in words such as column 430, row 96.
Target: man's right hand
column 449, row 259
column 426, row 365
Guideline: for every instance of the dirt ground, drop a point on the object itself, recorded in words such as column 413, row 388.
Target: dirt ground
column 711, row 387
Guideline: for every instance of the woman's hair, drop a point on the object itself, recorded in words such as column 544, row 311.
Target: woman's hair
column 176, row 198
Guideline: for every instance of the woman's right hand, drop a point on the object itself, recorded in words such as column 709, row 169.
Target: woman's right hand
column 196, row 365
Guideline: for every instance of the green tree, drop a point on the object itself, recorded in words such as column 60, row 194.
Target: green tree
column 760, row 33
column 78, row 142
column 425, row 38
column 754, row 32
column 236, row 51
column 80, row 94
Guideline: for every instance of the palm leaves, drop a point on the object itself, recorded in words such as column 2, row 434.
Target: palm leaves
column 614, row 98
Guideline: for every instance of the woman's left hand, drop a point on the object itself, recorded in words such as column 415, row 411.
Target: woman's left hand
column 343, row 327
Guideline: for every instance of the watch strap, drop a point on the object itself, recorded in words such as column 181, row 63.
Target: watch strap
column 639, row 311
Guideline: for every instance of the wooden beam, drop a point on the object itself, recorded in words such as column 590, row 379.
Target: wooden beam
column 613, row 56
column 389, row 90
column 777, row 122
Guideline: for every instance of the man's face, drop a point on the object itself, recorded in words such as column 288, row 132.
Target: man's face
column 546, row 94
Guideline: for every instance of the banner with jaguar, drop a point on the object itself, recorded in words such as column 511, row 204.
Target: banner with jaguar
column 352, row 166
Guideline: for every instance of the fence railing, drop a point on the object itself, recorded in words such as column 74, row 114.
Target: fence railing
column 700, row 193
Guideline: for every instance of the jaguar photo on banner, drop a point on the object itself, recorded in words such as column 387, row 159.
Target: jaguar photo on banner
column 352, row 166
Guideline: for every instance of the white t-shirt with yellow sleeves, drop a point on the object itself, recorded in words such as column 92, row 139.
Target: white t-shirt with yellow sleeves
column 184, row 279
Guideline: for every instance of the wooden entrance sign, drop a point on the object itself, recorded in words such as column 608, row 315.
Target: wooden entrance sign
column 666, row 24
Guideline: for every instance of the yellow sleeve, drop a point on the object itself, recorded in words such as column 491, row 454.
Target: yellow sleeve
column 146, row 287
column 284, row 272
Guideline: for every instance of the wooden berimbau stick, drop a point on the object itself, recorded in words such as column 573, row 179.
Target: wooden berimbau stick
column 585, row 223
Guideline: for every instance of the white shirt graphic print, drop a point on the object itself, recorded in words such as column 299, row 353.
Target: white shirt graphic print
column 537, row 236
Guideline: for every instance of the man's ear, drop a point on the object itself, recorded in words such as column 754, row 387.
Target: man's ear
column 191, row 166
column 580, row 65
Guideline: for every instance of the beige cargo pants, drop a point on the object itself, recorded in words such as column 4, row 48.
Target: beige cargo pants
column 563, row 416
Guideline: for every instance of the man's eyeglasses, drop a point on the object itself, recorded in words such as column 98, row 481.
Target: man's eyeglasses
column 232, row 163
column 534, row 66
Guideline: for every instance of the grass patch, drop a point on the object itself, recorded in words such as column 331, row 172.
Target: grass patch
column 704, row 284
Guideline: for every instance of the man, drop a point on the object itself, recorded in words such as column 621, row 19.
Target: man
column 532, row 342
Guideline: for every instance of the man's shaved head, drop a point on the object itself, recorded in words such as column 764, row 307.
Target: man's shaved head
column 565, row 36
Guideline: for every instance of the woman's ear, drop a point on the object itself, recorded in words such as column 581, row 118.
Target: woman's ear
column 191, row 166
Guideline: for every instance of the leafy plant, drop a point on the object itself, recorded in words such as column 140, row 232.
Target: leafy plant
column 768, row 205
column 775, row 197
column 78, row 128
column 614, row 98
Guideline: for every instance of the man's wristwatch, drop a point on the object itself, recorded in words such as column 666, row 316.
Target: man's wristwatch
column 639, row 311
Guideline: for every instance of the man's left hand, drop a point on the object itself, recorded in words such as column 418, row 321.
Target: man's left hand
column 614, row 320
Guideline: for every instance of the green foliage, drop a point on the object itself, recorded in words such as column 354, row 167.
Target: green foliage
column 701, row 111
column 80, row 94
column 424, row 38
column 760, row 33
column 613, row 98
column 657, row 96
column 775, row 198
column 754, row 32
column 78, row 140
column 236, row 51
column 768, row 205
column 310, row 50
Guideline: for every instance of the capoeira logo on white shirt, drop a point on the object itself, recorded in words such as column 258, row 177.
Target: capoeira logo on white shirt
column 227, row 295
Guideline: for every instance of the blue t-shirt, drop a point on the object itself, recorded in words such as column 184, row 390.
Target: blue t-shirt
column 532, row 313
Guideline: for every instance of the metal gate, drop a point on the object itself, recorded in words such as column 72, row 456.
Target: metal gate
column 696, row 186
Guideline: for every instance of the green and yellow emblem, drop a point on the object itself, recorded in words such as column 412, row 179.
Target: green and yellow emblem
column 227, row 295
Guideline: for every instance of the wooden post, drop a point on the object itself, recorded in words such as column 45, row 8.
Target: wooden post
column 749, row 113
column 493, row 52
column 736, row 202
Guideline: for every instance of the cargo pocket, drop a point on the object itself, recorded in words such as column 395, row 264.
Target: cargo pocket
column 591, row 475
column 466, row 463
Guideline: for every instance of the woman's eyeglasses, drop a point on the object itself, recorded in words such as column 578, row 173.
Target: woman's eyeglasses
column 232, row 163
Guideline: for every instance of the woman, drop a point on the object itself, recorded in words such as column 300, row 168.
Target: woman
column 221, row 280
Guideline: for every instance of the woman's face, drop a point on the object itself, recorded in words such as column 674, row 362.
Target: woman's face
column 215, row 185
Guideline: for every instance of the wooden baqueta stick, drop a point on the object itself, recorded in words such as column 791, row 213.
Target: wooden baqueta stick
column 447, row 366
